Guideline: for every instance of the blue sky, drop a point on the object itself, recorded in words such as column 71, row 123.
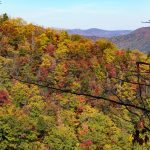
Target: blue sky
column 104, row 14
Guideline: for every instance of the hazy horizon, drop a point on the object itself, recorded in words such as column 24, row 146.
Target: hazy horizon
column 81, row 14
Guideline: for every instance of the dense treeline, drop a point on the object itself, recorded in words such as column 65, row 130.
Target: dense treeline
column 45, row 75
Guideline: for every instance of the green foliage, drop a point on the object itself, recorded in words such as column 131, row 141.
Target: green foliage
column 62, row 138
column 4, row 17
column 16, row 129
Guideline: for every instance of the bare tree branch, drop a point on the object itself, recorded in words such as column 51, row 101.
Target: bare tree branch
column 37, row 83
column 128, row 81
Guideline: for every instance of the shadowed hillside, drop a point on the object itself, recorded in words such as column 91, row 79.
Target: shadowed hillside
column 138, row 39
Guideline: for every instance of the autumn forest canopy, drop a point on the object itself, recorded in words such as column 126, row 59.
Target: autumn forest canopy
column 67, row 92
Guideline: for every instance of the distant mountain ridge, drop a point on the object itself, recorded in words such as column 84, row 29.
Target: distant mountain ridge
column 125, row 39
column 138, row 39
column 95, row 32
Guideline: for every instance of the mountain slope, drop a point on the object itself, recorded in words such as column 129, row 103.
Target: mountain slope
column 98, row 32
column 138, row 39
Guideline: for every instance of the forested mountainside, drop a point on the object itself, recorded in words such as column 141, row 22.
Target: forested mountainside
column 94, row 32
column 138, row 39
column 66, row 92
